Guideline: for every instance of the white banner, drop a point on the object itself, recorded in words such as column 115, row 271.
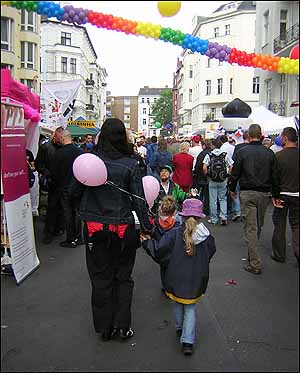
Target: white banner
column 59, row 99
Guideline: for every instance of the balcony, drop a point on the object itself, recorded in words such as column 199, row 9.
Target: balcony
column 90, row 82
column 278, row 108
column 284, row 40
column 90, row 107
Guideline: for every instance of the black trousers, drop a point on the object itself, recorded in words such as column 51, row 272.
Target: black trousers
column 110, row 262
column 55, row 215
column 290, row 210
column 71, row 216
column 204, row 196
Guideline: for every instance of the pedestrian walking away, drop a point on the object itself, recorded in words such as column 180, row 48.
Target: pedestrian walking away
column 186, row 252
column 109, row 231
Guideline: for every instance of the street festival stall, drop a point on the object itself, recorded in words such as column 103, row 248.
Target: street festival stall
column 19, row 130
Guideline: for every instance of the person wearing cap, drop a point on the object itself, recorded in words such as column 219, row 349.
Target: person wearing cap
column 196, row 148
column 186, row 252
column 45, row 165
column 168, row 187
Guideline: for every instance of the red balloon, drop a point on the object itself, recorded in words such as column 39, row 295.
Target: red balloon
column 294, row 54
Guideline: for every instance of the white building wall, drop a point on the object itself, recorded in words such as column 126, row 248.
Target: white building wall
column 145, row 121
column 284, row 88
column 242, row 37
column 51, row 53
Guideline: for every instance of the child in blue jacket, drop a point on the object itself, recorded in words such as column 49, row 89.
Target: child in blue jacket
column 186, row 252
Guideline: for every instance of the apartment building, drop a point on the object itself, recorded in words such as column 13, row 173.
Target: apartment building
column 216, row 83
column 126, row 109
column 277, row 32
column 67, row 53
column 147, row 97
column 20, row 45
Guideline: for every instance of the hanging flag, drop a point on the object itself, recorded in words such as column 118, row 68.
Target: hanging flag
column 59, row 100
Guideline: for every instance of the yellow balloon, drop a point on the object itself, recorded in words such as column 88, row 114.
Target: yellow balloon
column 168, row 8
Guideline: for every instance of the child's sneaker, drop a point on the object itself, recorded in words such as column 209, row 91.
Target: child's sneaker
column 126, row 333
column 187, row 348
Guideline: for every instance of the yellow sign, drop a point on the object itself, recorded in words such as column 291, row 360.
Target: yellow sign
column 82, row 123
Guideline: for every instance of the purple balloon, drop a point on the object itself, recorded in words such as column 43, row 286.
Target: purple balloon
column 85, row 20
column 76, row 18
column 222, row 53
column 226, row 58
column 65, row 16
column 67, row 8
column 228, row 50
column 211, row 45
column 72, row 13
column 219, row 48
column 217, row 55
column 213, row 51
column 81, row 15
column 207, row 53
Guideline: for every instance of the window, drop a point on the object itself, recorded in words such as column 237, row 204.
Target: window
column 144, row 110
column 216, row 32
column 180, row 100
column 208, row 87
column 28, row 21
column 64, row 64
column 6, row 34
column 155, row 99
column 266, row 27
column 91, row 99
column 231, row 86
column 28, row 51
column 191, row 72
column 220, row 87
column 148, row 100
column 126, row 101
column 28, row 82
column 91, row 76
column 127, row 109
column 65, row 38
column 282, row 87
column 268, row 86
column 227, row 29
column 144, row 122
column 7, row 66
column 213, row 111
column 143, row 100
column 255, row 86
column 190, row 95
column 208, row 62
column 73, row 65
column 283, row 24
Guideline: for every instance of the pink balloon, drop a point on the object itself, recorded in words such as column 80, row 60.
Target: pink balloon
column 151, row 189
column 90, row 170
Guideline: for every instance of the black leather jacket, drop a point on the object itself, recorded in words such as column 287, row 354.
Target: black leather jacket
column 108, row 205
column 45, row 159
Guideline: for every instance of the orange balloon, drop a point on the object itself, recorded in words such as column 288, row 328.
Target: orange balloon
column 275, row 66
column 254, row 60
column 259, row 64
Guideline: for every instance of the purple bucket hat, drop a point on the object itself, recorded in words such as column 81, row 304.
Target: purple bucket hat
column 192, row 207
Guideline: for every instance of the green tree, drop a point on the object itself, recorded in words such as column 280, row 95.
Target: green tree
column 162, row 109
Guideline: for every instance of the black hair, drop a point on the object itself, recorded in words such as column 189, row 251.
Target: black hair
column 154, row 139
column 216, row 143
column 223, row 139
column 290, row 133
column 113, row 138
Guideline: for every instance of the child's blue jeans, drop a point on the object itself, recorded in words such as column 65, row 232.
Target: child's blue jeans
column 185, row 319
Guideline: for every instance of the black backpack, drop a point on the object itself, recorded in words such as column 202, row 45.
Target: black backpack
column 217, row 169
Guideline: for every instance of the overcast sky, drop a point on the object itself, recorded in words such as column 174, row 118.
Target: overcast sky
column 135, row 61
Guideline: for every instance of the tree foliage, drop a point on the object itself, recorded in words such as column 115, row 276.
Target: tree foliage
column 162, row 109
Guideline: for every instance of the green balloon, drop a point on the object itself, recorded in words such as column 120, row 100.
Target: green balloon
column 158, row 125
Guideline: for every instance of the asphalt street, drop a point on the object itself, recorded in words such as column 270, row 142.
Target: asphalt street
column 250, row 326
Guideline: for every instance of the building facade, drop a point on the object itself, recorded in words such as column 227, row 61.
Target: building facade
column 20, row 45
column 277, row 31
column 147, row 97
column 216, row 83
column 67, row 53
column 126, row 109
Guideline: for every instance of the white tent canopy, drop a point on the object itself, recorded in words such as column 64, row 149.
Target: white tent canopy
column 271, row 123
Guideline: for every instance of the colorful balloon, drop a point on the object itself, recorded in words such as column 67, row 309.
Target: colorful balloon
column 151, row 189
column 90, row 170
column 168, row 8
column 294, row 54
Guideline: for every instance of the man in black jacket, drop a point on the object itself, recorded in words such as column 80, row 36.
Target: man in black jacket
column 45, row 165
column 64, row 159
column 255, row 168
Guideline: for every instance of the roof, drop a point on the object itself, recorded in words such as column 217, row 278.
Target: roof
column 244, row 5
column 46, row 20
column 147, row 91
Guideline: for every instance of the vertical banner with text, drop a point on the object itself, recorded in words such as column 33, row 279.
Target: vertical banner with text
column 17, row 200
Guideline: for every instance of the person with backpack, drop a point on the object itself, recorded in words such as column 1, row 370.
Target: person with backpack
column 217, row 166
column 183, row 167
column 160, row 158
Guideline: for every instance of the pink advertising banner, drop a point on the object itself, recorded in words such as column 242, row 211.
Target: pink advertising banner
column 16, row 197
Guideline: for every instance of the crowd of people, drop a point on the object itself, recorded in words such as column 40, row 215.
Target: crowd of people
column 199, row 177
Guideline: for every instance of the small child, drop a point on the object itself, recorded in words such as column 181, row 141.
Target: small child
column 186, row 251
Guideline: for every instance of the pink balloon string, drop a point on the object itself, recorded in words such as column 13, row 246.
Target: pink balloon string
column 125, row 191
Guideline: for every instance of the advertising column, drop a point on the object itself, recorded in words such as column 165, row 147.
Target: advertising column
column 16, row 192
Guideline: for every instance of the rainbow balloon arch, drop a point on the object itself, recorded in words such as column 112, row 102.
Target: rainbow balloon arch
column 80, row 16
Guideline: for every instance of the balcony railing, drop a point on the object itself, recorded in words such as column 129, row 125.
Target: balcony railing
column 283, row 40
column 278, row 108
column 90, row 82
column 90, row 107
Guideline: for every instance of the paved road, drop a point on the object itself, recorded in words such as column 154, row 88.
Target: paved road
column 249, row 327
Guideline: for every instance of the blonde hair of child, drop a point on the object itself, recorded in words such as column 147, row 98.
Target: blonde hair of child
column 191, row 223
column 167, row 206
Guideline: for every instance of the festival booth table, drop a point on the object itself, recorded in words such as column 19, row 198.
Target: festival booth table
column 19, row 130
